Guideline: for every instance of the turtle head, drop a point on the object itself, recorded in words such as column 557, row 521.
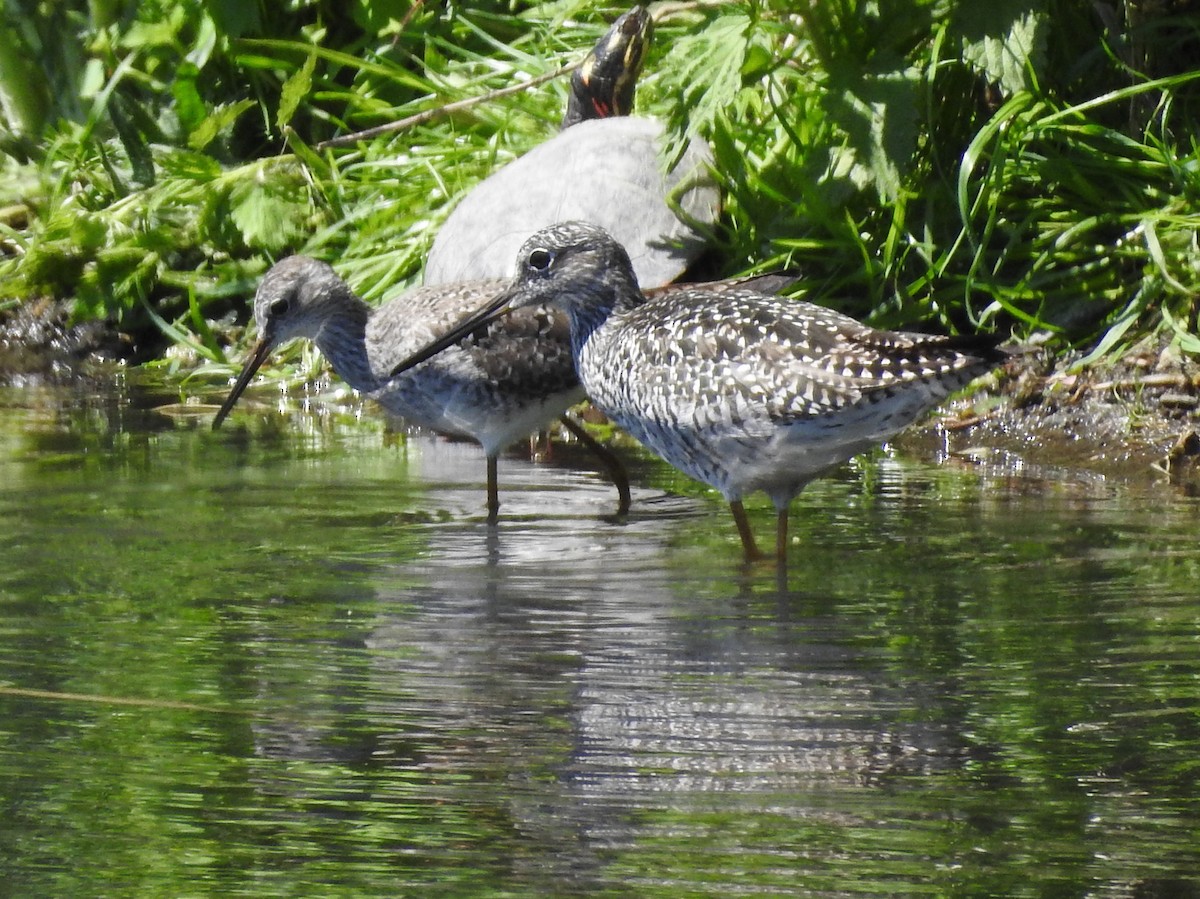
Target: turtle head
column 605, row 82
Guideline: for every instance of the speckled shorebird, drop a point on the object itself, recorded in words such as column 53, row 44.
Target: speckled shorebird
column 739, row 389
column 504, row 383
column 508, row 380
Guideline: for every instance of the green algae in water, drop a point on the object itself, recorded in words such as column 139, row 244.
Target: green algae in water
column 294, row 659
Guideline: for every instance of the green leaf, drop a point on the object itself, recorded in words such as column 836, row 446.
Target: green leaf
column 880, row 115
column 221, row 120
column 307, row 156
column 88, row 232
column 1184, row 339
column 379, row 17
column 235, row 18
column 1126, row 320
column 147, row 35
column 141, row 162
column 295, row 89
column 1003, row 39
column 24, row 94
column 266, row 217
column 189, row 107
column 707, row 67
column 757, row 64
column 190, row 166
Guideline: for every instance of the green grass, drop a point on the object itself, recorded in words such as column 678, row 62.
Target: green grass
column 952, row 164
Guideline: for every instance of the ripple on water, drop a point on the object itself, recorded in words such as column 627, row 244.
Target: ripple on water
column 294, row 657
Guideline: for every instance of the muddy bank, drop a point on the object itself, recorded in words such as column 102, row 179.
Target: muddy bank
column 40, row 345
column 1137, row 419
column 1132, row 419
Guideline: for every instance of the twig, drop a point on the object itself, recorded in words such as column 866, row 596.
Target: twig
column 408, row 17
column 1154, row 380
column 447, row 108
column 961, row 424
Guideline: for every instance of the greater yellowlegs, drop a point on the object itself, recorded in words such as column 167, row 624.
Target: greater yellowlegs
column 507, row 381
column 607, row 169
column 503, row 384
column 739, row 389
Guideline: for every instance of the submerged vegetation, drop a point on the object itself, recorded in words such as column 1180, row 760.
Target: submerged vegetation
column 1026, row 164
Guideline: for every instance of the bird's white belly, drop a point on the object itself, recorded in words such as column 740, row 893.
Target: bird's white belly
column 464, row 412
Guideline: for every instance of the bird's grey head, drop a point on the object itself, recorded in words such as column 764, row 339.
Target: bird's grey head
column 296, row 298
column 575, row 266
column 300, row 297
column 569, row 263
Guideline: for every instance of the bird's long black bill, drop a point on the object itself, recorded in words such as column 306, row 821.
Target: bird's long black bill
column 497, row 308
column 261, row 350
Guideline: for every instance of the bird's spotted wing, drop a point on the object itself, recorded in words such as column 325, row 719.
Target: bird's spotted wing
column 787, row 358
column 526, row 348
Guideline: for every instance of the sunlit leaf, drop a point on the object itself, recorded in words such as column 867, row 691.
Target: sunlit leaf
column 189, row 107
column 1003, row 39
column 265, row 216
column 217, row 123
column 193, row 166
column 879, row 114
column 707, row 67
column 145, row 34
column 88, row 232
column 294, row 91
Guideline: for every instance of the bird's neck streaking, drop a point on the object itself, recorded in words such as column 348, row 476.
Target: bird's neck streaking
column 611, row 294
column 343, row 341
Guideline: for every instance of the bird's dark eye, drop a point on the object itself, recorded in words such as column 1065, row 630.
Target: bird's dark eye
column 280, row 307
column 540, row 259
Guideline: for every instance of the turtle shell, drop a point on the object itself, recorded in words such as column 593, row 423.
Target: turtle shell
column 605, row 171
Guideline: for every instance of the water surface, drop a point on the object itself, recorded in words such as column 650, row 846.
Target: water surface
column 291, row 658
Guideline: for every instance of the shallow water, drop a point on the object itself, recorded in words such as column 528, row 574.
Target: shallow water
column 291, row 658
